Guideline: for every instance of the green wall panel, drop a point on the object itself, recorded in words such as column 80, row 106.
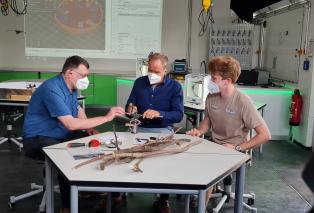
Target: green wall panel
column 89, row 99
column 47, row 75
column 89, row 93
column 105, row 90
column 101, row 91
column 14, row 75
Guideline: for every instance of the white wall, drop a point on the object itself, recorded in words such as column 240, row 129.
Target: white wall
column 175, row 27
column 282, row 40
column 174, row 41
column 199, row 50
column 304, row 133
column 308, row 79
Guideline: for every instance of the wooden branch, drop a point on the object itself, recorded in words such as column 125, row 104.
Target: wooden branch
column 120, row 156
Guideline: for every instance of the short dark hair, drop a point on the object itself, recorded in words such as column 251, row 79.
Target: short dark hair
column 73, row 62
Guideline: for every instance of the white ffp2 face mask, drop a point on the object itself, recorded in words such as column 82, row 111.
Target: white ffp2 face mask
column 153, row 78
column 82, row 83
column 213, row 87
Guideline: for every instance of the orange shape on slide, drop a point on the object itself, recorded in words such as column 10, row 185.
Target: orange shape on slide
column 79, row 16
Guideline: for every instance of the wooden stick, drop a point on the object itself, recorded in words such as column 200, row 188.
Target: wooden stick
column 110, row 158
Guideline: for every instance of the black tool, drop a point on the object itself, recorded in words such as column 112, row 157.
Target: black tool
column 141, row 140
column 73, row 145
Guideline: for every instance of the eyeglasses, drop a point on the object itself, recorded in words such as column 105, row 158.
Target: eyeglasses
column 81, row 75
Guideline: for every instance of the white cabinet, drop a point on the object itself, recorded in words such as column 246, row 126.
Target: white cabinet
column 276, row 112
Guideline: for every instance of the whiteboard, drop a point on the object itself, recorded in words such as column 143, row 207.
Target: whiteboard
column 283, row 38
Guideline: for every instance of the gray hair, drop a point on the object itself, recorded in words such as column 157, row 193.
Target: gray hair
column 159, row 56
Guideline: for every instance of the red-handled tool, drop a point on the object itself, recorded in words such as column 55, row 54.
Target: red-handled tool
column 94, row 143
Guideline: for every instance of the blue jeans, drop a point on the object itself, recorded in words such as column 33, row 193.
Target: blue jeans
column 167, row 130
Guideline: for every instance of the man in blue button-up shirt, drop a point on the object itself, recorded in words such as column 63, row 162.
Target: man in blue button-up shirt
column 157, row 97
column 160, row 100
column 54, row 115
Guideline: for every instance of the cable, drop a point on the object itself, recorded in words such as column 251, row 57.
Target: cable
column 6, row 4
column 14, row 7
column 4, row 7
column 204, row 19
column 203, row 63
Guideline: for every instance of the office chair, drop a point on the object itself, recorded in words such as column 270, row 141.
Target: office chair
column 226, row 194
column 35, row 190
column 11, row 115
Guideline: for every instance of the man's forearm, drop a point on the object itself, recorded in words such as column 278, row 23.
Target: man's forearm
column 172, row 116
column 204, row 125
column 262, row 136
column 85, row 123
column 256, row 141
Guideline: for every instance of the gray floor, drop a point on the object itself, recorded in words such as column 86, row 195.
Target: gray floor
column 275, row 177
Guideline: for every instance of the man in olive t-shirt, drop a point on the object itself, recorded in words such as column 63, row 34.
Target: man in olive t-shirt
column 230, row 114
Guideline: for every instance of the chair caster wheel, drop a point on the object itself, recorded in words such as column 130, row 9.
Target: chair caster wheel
column 250, row 202
column 254, row 210
column 11, row 205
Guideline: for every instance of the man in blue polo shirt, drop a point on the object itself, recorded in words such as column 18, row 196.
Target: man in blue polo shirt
column 54, row 115
column 157, row 97
column 160, row 100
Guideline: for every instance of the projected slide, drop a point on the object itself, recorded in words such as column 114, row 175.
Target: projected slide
column 93, row 28
column 79, row 17
column 54, row 26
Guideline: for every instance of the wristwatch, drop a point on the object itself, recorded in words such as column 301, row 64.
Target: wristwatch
column 238, row 148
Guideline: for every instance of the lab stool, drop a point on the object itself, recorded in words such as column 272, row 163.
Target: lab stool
column 10, row 117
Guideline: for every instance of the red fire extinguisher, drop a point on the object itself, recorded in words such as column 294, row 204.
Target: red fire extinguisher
column 295, row 109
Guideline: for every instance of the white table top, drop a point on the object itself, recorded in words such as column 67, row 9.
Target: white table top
column 198, row 168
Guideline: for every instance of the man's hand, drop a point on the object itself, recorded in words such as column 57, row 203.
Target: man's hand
column 92, row 131
column 228, row 145
column 132, row 109
column 194, row 132
column 150, row 114
column 115, row 112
